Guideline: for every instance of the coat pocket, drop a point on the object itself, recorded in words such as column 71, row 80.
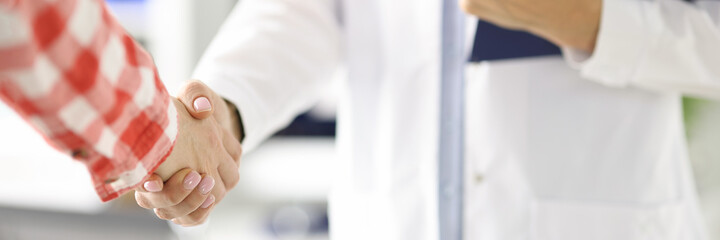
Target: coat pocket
column 572, row 220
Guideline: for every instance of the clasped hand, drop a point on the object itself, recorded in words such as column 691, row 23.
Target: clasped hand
column 203, row 164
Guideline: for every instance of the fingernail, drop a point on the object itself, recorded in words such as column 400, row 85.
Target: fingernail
column 191, row 180
column 209, row 201
column 152, row 186
column 206, row 185
column 202, row 104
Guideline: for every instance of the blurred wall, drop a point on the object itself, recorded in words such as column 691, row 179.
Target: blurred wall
column 178, row 31
column 702, row 119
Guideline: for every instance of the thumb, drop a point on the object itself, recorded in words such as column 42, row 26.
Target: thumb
column 196, row 97
column 153, row 184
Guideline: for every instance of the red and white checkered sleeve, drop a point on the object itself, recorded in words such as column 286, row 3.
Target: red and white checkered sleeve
column 71, row 71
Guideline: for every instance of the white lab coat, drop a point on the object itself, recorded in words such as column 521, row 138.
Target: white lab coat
column 553, row 152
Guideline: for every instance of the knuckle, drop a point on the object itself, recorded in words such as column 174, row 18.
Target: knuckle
column 196, row 219
column 194, row 87
column 190, row 89
column 234, row 180
column 219, row 196
column 163, row 214
column 192, row 84
column 233, row 183
column 174, row 199
column 237, row 152
column 142, row 201
column 177, row 221
column 213, row 139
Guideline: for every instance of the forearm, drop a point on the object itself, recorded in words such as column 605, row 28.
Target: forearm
column 577, row 28
column 567, row 23
column 71, row 71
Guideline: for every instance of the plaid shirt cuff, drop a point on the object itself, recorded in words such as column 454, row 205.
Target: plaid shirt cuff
column 72, row 72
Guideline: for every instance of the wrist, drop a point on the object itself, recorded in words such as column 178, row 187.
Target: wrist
column 169, row 166
column 234, row 123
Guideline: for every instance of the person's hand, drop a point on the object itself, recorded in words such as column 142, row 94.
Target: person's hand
column 224, row 112
column 569, row 23
column 181, row 198
column 210, row 154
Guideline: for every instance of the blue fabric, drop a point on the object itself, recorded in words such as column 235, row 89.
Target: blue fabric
column 495, row 43
column 452, row 110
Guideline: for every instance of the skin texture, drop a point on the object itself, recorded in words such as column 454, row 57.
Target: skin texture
column 567, row 23
column 211, row 149
column 223, row 112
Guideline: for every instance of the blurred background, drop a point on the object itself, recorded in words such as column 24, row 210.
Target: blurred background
column 283, row 186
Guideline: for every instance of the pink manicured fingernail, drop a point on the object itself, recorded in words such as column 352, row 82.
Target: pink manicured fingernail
column 206, row 185
column 202, row 104
column 209, row 201
column 152, row 186
column 191, row 180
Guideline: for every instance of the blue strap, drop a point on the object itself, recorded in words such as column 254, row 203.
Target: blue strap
column 450, row 152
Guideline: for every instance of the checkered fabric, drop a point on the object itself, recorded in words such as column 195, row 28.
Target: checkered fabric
column 72, row 72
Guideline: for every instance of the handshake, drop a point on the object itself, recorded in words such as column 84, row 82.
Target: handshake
column 203, row 164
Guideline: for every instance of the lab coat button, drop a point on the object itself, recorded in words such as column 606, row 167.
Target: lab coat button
column 479, row 178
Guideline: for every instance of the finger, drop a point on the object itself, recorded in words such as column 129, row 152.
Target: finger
column 192, row 202
column 153, row 184
column 200, row 215
column 228, row 171
column 196, row 97
column 232, row 145
column 175, row 190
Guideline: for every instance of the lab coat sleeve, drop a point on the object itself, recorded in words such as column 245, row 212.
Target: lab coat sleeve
column 271, row 59
column 664, row 45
